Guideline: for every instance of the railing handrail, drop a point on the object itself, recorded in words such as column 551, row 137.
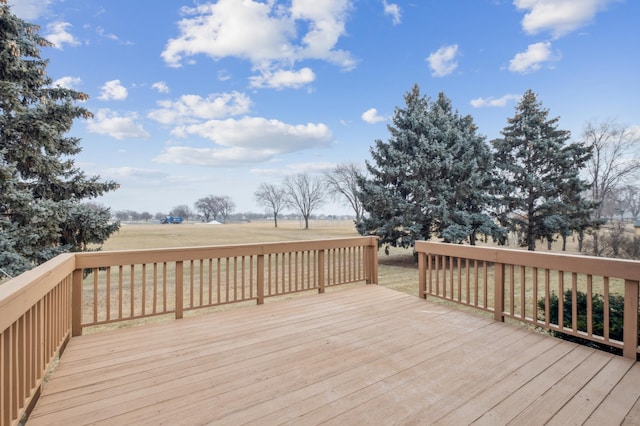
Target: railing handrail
column 624, row 269
column 124, row 257
column 21, row 292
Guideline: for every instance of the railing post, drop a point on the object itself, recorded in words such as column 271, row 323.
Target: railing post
column 422, row 275
column 371, row 257
column 498, row 292
column 630, row 333
column 367, row 263
column 321, row 282
column 374, row 250
column 76, row 303
column 179, row 289
column 260, row 279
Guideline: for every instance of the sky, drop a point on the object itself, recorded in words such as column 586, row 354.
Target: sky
column 197, row 98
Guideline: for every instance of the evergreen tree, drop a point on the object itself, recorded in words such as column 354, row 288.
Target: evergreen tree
column 432, row 176
column 41, row 208
column 15, row 198
column 463, row 180
column 539, row 174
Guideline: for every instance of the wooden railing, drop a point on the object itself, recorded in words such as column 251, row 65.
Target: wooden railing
column 42, row 309
column 128, row 285
column 557, row 292
column 35, row 319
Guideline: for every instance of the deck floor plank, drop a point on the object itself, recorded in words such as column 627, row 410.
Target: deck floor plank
column 587, row 399
column 161, row 348
column 354, row 356
column 555, row 397
column 367, row 376
column 464, row 398
column 424, row 381
column 533, row 389
column 620, row 400
column 633, row 417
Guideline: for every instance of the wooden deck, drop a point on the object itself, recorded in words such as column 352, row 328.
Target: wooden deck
column 366, row 355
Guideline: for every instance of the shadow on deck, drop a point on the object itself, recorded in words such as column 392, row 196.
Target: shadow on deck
column 365, row 355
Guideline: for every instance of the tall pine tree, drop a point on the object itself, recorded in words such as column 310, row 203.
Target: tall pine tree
column 462, row 180
column 432, row 176
column 539, row 174
column 41, row 207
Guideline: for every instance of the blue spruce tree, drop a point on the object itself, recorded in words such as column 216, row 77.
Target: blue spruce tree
column 432, row 177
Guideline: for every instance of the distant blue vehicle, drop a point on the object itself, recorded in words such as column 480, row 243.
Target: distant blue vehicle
column 171, row 219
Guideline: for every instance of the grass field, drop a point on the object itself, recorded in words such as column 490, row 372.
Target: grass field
column 189, row 234
column 398, row 270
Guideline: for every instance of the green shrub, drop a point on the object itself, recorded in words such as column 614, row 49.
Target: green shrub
column 616, row 316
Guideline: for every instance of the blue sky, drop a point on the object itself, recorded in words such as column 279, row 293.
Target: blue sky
column 192, row 98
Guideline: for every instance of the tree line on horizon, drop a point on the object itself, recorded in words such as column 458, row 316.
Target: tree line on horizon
column 436, row 176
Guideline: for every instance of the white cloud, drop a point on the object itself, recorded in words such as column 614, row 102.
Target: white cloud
column 271, row 36
column 211, row 157
column 559, row 17
column 371, row 116
column 283, row 78
column 134, row 172
column 160, row 86
column 313, row 167
column 494, row 102
column 230, row 28
column 292, row 169
column 443, row 61
column 29, row 9
column 634, row 132
column 102, row 33
column 68, row 82
column 392, row 10
column 223, row 75
column 58, row 35
column 245, row 141
column 107, row 122
column 113, row 90
column 260, row 133
column 532, row 60
column 326, row 22
column 193, row 108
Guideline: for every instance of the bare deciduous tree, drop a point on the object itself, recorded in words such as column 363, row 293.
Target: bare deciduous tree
column 614, row 161
column 614, row 158
column 206, row 206
column 273, row 198
column 213, row 206
column 342, row 184
column 183, row 211
column 226, row 206
column 630, row 197
column 304, row 193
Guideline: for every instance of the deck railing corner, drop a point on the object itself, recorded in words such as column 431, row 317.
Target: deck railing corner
column 541, row 289
column 42, row 309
